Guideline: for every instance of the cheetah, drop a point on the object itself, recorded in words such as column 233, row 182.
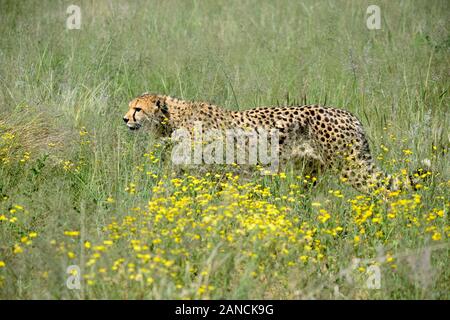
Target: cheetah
column 321, row 138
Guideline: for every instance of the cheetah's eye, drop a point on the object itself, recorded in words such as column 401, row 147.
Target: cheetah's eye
column 137, row 109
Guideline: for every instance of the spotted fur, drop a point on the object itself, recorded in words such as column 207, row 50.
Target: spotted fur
column 321, row 138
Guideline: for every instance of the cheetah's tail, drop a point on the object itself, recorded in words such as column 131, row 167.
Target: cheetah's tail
column 414, row 180
column 421, row 175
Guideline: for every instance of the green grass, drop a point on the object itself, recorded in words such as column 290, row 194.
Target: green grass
column 56, row 83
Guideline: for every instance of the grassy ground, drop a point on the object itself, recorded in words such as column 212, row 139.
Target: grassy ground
column 76, row 188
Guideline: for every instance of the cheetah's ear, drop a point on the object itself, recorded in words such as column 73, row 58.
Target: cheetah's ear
column 162, row 106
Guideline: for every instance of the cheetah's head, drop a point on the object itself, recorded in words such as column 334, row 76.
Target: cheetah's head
column 147, row 108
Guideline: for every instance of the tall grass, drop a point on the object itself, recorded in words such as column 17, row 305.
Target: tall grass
column 68, row 161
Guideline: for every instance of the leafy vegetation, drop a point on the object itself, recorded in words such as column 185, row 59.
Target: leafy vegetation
column 77, row 188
